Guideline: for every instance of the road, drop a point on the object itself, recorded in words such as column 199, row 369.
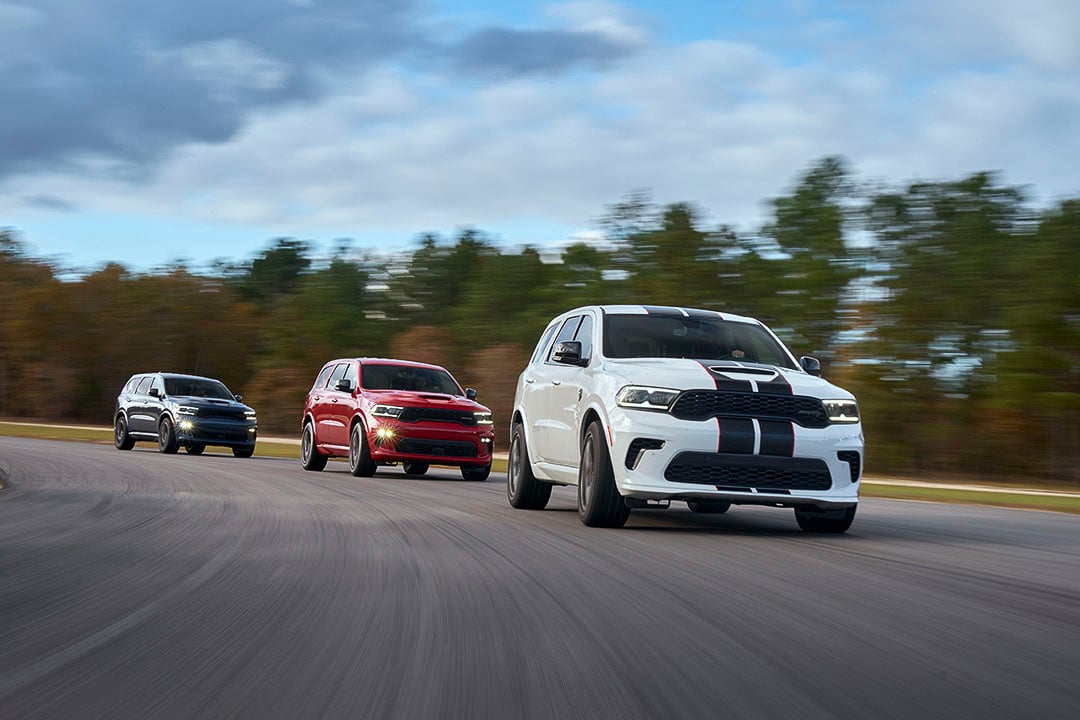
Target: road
column 136, row 585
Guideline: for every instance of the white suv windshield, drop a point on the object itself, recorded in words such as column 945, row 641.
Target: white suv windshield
column 668, row 336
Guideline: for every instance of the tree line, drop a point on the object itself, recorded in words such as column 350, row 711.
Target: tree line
column 951, row 308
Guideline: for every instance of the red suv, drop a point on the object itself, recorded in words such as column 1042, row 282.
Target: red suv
column 380, row 412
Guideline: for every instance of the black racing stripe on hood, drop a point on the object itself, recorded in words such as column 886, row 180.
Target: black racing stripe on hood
column 777, row 386
column 724, row 383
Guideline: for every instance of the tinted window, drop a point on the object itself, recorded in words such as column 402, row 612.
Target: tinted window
column 197, row 387
column 407, row 377
column 542, row 345
column 629, row 336
column 320, row 381
column 158, row 384
column 584, row 336
column 132, row 384
column 144, row 385
column 566, row 333
column 350, row 374
column 339, row 372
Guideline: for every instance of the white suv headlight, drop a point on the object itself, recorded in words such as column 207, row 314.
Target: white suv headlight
column 387, row 411
column 646, row 398
column 841, row 411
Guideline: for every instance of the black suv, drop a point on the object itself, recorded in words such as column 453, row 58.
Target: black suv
column 183, row 410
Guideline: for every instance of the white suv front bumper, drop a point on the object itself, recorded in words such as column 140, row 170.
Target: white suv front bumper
column 646, row 480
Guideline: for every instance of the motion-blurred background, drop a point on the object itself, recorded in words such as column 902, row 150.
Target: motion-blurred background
column 893, row 187
column 954, row 315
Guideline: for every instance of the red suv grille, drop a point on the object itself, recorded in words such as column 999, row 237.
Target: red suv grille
column 416, row 414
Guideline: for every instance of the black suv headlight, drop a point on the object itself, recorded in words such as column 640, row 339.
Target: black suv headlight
column 187, row 410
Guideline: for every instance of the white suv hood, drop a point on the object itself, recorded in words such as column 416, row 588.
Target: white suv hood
column 683, row 374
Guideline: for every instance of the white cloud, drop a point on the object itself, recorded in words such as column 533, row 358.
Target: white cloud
column 719, row 123
column 607, row 19
column 227, row 65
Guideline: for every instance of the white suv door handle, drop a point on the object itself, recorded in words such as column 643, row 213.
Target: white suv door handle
column 556, row 382
column 530, row 380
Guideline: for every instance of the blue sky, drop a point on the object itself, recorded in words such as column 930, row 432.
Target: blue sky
column 196, row 130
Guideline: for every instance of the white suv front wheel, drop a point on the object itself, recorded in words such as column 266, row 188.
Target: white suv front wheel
column 599, row 501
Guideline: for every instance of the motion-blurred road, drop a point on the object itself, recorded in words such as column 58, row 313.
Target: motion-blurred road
column 136, row 585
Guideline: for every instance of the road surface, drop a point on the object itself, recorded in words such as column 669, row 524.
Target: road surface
column 136, row 585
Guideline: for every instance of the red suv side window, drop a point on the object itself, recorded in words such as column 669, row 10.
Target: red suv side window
column 320, row 382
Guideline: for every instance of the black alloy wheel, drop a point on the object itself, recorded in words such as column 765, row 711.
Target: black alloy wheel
column 523, row 489
column 360, row 462
column 476, row 473
column 121, row 437
column 167, row 442
column 817, row 520
column 310, row 459
column 599, row 501
column 415, row 467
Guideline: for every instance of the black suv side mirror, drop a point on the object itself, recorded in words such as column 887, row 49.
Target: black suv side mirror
column 811, row 365
column 239, row 398
column 344, row 385
column 154, row 392
column 470, row 393
column 568, row 353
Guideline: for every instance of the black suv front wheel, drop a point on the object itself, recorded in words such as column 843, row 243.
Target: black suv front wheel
column 167, row 442
column 122, row 438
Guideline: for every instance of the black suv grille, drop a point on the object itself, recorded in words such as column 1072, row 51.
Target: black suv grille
column 226, row 413
column 416, row 414
column 851, row 457
column 705, row 404
column 739, row 472
column 449, row 448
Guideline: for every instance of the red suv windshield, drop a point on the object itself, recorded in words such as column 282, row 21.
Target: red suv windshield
column 407, row 377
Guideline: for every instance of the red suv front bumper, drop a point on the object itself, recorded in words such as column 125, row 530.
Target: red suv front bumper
column 444, row 443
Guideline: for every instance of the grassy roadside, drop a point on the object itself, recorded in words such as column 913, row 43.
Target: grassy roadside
column 268, row 448
column 974, row 497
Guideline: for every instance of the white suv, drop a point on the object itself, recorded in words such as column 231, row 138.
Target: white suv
column 640, row 405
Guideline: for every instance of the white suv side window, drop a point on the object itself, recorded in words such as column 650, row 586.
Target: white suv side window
column 566, row 333
column 542, row 345
column 584, row 336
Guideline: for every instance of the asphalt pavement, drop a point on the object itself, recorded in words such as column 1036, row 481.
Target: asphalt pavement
column 137, row 585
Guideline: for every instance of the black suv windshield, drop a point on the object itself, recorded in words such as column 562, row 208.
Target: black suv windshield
column 667, row 336
column 197, row 387
column 406, row 377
